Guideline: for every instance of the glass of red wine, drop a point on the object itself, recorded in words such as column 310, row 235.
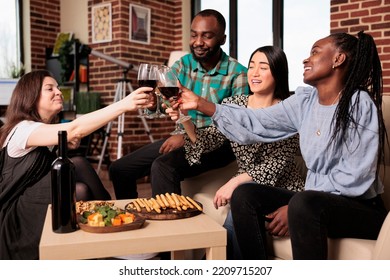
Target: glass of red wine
column 147, row 77
column 168, row 87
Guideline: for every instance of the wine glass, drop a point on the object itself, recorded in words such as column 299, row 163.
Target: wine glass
column 157, row 113
column 168, row 87
column 147, row 77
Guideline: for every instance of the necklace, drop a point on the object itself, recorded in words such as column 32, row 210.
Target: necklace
column 318, row 131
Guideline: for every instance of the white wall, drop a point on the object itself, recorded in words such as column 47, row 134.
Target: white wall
column 74, row 18
column 186, row 23
column 26, row 35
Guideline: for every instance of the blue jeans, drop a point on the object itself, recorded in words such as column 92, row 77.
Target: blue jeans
column 232, row 249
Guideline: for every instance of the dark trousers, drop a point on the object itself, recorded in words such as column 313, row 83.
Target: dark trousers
column 170, row 169
column 250, row 202
column 313, row 216
column 125, row 172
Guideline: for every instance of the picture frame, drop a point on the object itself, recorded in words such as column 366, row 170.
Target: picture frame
column 68, row 97
column 139, row 24
column 62, row 37
column 102, row 23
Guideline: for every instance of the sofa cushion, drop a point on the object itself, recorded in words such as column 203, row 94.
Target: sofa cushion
column 204, row 186
column 338, row 249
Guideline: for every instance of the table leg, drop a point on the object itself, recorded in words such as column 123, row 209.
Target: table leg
column 178, row 255
column 216, row 253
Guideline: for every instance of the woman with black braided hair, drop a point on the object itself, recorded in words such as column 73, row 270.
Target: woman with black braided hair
column 342, row 137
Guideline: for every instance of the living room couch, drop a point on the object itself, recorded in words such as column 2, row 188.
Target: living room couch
column 204, row 187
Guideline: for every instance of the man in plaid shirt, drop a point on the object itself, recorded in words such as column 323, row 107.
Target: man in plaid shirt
column 212, row 74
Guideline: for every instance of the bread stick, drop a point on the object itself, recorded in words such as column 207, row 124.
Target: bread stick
column 170, row 200
column 187, row 202
column 178, row 202
column 156, row 206
column 194, row 203
column 150, row 203
column 164, row 199
column 135, row 203
column 146, row 205
column 160, row 202
column 140, row 202
column 184, row 201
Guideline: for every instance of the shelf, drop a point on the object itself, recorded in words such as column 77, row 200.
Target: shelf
column 76, row 61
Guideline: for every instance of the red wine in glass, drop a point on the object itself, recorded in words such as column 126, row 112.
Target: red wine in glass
column 169, row 92
column 147, row 76
column 148, row 83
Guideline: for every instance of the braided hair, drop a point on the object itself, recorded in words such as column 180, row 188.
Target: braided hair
column 363, row 72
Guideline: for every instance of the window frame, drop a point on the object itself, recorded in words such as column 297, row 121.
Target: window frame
column 277, row 23
column 19, row 52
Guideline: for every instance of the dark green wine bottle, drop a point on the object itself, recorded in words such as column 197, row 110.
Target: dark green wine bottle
column 63, row 188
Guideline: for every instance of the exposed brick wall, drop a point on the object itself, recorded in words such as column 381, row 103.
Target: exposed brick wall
column 45, row 25
column 371, row 16
column 166, row 35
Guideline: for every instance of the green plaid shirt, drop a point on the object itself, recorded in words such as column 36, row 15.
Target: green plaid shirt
column 226, row 79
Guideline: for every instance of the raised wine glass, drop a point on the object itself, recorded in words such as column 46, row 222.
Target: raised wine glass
column 168, row 87
column 157, row 114
column 147, row 77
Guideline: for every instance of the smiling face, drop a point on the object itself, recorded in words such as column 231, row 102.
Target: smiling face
column 260, row 78
column 206, row 37
column 318, row 66
column 50, row 101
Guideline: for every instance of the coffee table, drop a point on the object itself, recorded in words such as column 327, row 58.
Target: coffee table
column 176, row 236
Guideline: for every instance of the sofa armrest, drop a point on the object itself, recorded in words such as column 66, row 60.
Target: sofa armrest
column 382, row 246
column 204, row 186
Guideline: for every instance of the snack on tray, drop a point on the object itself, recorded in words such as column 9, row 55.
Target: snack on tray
column 162, row 202
column 102, row 214
column 82, row 206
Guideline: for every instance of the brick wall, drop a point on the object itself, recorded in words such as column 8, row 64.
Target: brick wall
column 166, row 34
column 371, row 16
column 45, row 25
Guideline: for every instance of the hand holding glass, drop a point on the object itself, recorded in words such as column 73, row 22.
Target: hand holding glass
column 147, row 77
column 168, row 86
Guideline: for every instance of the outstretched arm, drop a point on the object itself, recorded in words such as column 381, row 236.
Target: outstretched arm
column 47, row 134
column 191, row 101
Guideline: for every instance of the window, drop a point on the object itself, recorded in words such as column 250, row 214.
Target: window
column 303, row 22
column 221, row 6
column 254, row 27
column 10, row 43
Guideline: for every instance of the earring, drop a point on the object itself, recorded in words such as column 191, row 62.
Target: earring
column 333, row 67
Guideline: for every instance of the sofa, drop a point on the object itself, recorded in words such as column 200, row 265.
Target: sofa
column 203, row 188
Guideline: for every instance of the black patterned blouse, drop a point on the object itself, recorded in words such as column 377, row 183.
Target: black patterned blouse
column 270, row 164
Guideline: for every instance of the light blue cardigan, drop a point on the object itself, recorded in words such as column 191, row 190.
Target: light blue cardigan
column 347, row 168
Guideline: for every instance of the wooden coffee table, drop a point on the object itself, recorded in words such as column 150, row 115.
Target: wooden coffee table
column 176, row 236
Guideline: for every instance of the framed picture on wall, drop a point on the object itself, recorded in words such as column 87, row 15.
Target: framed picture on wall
column 61, row 39
column 139, row 24
column 101, row 23
column 68, row 96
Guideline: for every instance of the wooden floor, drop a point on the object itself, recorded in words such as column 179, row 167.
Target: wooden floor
column 144, row 189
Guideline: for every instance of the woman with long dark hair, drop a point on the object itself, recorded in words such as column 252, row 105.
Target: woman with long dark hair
column 27, row 140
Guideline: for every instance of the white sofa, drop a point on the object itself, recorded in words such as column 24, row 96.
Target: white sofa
column 204, row 186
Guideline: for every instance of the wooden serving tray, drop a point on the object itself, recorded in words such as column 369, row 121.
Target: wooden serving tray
column 138, row 223
column 166, row 214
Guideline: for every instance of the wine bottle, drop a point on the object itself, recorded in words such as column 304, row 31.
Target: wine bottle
column 63, row 188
